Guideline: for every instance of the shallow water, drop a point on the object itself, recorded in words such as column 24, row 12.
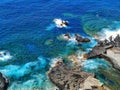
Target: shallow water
column 27, row 31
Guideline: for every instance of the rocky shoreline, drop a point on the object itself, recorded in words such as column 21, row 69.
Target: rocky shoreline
column 72, row 78
column 109, row 50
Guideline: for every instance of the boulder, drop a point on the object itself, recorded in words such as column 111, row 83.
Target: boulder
column 81, row 39
column 72, row 78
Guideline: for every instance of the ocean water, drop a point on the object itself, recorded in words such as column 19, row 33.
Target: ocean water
column 27, row 31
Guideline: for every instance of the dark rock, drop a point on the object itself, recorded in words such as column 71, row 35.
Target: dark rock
column 65, row 22
column 67, row 35
column 78, row 38
column 102, row 48
column 67, row 78
column 3, row 82
column 86, row 40
column 81, row 39
column 110, row 38
column 96, row 51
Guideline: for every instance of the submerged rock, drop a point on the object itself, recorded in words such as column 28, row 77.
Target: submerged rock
column 3, row 82
column 71, row 78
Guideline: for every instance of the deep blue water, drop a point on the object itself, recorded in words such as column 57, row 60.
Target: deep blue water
column 28, row 33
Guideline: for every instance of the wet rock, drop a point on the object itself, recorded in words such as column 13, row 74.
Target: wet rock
column 86, row 40
column 81, row 39
column 3, row 82
column 67, row 35
column 71, row 78
column 96, row 51
column 107, row 49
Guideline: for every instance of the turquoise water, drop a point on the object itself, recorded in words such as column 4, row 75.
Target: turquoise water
column 27, row 31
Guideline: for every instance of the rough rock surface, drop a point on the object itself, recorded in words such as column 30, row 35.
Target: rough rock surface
column 71, row 78
column 81, row 39
column 96, row 51
column 3, row 82
column 106, row 49
column 77, row 37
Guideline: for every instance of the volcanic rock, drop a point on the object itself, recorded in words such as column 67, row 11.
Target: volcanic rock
column 71, row 78
column 81, row 39
column 3, row 82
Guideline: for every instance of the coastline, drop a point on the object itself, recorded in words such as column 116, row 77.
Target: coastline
column 107, row 49
column 61, row 74
column 72, row 78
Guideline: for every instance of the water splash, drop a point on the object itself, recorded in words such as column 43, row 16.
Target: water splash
column 108, row 32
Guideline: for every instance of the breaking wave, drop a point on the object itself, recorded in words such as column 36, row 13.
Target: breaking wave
column 108, row 33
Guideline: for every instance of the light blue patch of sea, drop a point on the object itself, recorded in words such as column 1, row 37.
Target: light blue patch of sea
column 16, row 72
column 92, row 65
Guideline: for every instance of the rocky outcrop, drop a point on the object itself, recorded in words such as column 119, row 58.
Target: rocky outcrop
column 81, row 39
column 67, row 35
column 96, row 51
column 106, row 49
column 71, row 78
column 112, row 42
column 3, row 82
column 78, row 38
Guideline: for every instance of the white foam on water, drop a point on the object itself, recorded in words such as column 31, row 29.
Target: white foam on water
column 80, row 55
column 72, row 40
column 106, row 33
column 29, row 70
column 54, row 61
column 16, row 71
column 5, row 56
column 37, row 82
column 59, row 23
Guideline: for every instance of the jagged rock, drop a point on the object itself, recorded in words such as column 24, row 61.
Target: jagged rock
column 71, row 78
column 3, row 82
column 96, row 51
column 106, row 49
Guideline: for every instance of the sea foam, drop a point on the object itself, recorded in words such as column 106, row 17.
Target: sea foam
column 17, row 71
column 106, row 33
column 53, row 61
column 94, row 64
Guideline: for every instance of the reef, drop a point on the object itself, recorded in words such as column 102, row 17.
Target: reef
column 3, row 82
column 108, row 49
column 72, row 78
